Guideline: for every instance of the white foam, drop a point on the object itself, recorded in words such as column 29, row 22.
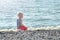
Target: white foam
column 15, row 30
column 45, row 28
column 40, row 28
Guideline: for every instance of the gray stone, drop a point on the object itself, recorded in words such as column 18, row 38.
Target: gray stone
column 31, row 35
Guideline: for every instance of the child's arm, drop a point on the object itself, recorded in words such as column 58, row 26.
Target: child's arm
column 21, row 23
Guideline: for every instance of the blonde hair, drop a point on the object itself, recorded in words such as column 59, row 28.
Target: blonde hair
column 20, row 13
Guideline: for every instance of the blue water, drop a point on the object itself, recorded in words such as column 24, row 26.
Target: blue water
column 37, row 13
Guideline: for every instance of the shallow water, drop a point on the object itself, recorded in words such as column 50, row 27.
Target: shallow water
column 37, row 13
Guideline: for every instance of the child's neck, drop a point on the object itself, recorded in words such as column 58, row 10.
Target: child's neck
column 20, row 18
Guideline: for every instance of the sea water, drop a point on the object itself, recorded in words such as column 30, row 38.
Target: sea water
column 37, row 13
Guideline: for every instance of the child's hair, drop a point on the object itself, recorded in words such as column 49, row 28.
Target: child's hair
column 20, row 13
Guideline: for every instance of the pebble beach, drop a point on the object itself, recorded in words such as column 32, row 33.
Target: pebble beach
column 30, row 35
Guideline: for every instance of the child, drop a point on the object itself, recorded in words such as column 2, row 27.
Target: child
column 20, row 26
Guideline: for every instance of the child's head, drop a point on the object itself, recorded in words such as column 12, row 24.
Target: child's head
column 20, row 15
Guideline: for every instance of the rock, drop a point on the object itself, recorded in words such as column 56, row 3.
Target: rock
column 31, row 35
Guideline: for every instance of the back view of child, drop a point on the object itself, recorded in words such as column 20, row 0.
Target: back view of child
column 20, row 26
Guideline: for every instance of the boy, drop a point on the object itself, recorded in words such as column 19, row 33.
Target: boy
column 20, row 26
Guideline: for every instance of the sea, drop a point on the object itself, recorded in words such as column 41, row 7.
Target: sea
column 36, row 13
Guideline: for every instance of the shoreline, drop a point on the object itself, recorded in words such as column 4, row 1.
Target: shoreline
column 45, row 28
column 31, row 35
column 40, row 28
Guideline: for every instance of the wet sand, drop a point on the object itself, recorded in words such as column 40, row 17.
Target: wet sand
column 30, row 35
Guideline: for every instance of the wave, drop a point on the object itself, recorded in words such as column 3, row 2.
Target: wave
column 7, row 30
column 31, row 28
column 45, row 28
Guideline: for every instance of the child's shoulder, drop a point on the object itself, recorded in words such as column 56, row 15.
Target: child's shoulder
column 17, row 19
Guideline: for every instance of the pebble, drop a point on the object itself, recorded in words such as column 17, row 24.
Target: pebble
column 31, row 35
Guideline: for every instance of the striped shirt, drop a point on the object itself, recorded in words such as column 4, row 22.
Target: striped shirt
column 19, row 21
